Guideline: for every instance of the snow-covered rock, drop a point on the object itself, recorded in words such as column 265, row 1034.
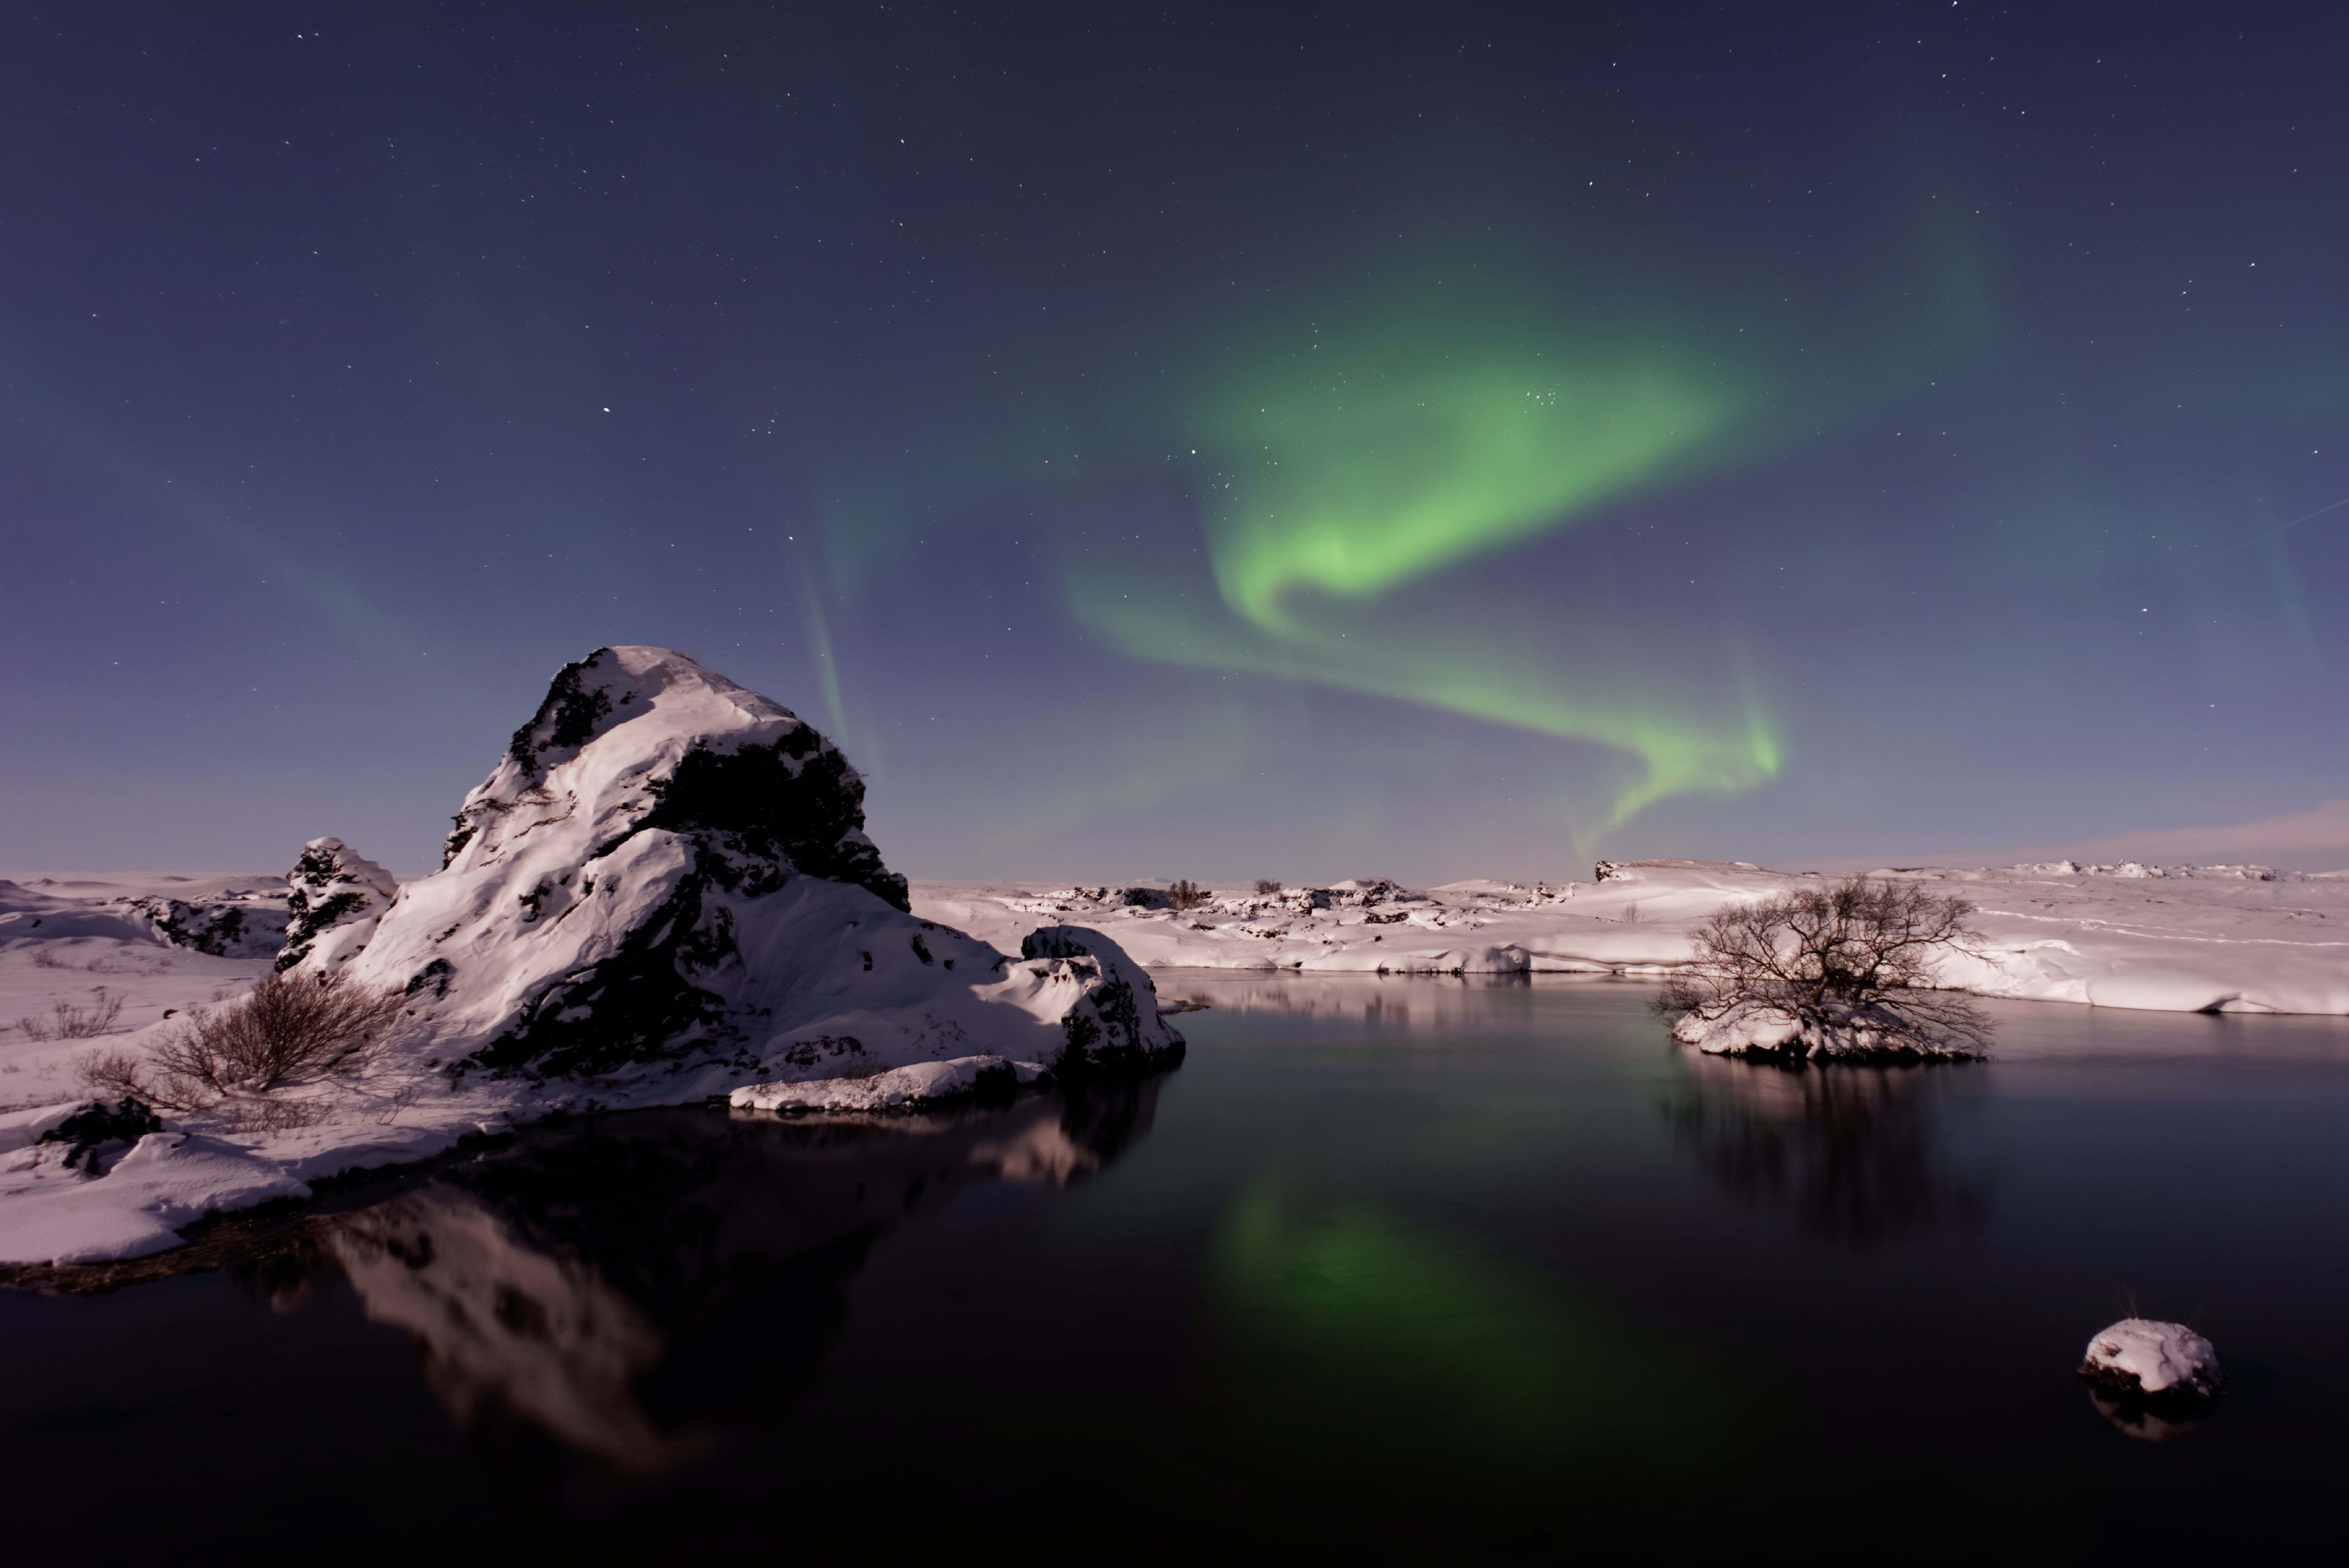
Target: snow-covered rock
column 245, row 924
column 669, row 874
column 334, row 898
column 2155, row 1360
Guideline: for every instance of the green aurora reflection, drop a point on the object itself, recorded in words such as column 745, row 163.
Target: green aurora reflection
column 1375, row 1343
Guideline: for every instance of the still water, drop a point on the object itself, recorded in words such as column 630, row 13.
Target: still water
column 1389, row 1270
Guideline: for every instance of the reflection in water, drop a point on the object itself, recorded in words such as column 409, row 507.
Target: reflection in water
column 624, row 1284
column 1462, row 1003
column 2137, row 1418
column 1855, row 1151
column 1369, row 1344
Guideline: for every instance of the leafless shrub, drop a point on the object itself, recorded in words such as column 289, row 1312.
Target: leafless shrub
column 115, row 1073
column 1826, row 955
column 67, row 1022
column 1266, row 886
column 1184, row 895
column 47, row 958
column 289, row 1031
column 269, row 1116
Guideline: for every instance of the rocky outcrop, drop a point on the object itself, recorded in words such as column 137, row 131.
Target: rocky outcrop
column 667, row 876
column 238, row 925
column 1110, row 1020
column 334, row 898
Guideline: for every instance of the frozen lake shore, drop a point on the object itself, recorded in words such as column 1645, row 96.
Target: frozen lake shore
column 2170, row 938
column 118, row 957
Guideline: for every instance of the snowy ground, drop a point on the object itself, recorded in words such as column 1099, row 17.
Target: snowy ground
column 2172, row 939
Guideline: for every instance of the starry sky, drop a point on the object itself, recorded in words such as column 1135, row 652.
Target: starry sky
column 1221, row 441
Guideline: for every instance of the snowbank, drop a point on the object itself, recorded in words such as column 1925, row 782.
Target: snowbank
column 2178, row 939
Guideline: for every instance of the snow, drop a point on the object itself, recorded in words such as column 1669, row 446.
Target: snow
column 2140, row 1356
column 167, row 1178
column 2175, row 938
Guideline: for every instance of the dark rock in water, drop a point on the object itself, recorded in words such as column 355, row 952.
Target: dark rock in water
column 333, row 890
column 100, row 1128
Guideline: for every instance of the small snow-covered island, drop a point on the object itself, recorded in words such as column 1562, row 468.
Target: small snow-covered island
column 664, row 894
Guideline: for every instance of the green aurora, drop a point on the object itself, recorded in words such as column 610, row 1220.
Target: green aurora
column 1324, row 488
column 1367, row 460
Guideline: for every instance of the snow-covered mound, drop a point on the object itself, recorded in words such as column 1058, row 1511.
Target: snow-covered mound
column 1872, row 1032
column 669, row 875
column 334, row 898
column 2227, row 939
column 663, row 892
column 2155, row 1360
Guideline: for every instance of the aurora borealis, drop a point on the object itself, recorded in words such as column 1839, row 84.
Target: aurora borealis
column 1223, row 442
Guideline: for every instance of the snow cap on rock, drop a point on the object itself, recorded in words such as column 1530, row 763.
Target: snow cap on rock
column 2140, row 1356
column 334, row 898
column 642, row 738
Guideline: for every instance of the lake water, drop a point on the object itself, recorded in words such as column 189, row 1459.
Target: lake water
column 1389, row 1270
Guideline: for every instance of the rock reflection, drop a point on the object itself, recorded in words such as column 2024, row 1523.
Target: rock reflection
column 1856, row 1152
column 626, row 1286
column 2137, row 1418
column 1420, row 1002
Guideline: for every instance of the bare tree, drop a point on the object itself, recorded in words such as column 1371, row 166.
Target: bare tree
column 289, row 1029
column 1854, row 956
column 1266, row 885
column 1184, row 895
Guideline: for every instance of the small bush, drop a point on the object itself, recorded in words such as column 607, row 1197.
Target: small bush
column 1826, row 955
column 290, row 1030
column 1186, row 895
column 67, row 1022
column 1266, row 886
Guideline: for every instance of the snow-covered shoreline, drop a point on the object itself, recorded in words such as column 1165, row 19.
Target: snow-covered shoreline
column 2229, row 939
column 2178, row 938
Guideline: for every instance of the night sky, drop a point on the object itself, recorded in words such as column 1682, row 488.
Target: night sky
column 1300, row 442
